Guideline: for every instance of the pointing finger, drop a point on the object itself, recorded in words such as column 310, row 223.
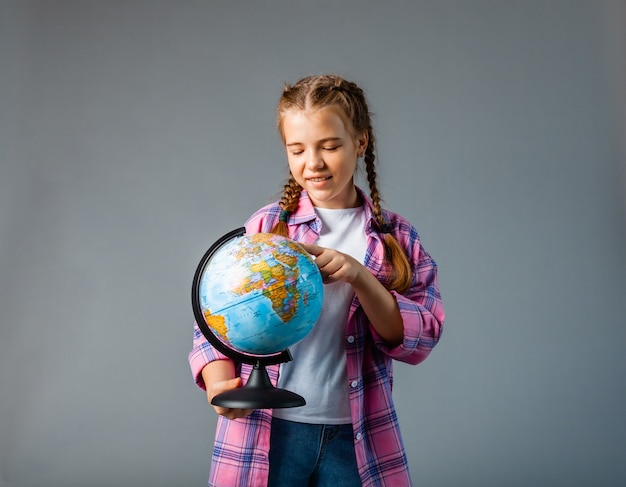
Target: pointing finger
column 312, row 249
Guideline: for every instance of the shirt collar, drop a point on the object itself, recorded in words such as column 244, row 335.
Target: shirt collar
column 305, row 212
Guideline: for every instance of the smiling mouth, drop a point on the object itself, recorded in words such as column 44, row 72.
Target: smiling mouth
column 319, row 180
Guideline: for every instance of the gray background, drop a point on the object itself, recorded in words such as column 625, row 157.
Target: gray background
column 134, row 133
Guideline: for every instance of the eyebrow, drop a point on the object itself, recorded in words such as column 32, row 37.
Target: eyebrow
column 322, row 141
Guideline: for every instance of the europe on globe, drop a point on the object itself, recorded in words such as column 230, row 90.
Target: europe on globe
column 260, row 293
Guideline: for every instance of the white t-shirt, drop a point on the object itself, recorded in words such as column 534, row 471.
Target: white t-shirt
column 318, row 370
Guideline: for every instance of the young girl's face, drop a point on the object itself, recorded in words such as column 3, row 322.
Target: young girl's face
column 322, row 154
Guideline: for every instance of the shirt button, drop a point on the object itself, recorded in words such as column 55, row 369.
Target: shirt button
column 350, row 339
column 354, row 383
column 359, row 436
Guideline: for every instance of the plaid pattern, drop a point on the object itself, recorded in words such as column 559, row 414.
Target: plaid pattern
column 240, row 455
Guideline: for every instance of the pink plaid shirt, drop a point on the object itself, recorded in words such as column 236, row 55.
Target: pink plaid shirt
column 240, row 453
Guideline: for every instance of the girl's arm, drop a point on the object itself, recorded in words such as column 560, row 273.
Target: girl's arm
column 380, row 306
column 218, row 377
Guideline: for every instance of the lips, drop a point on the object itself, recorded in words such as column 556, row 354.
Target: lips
column 318, row 180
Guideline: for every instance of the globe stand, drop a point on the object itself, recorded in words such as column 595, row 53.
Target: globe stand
column 258, row 392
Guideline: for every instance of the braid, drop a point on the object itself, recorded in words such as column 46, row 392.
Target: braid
column 370, row 169
column 395, row 255
column 288, row 203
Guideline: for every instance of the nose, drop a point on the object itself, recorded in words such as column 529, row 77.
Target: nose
column 314, row 160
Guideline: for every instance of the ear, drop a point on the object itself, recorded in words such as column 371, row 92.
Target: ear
column 361, row 143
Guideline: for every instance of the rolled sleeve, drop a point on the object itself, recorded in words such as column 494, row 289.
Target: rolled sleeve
column 201, row 354
column 422, row 315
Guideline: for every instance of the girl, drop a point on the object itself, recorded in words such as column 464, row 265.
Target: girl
column 381, row 302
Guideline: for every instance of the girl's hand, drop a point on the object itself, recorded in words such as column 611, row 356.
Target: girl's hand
column 334, row 265
column 379, row 304
column 223, row 386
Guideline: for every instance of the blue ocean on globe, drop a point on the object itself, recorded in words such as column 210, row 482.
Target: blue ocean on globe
column 261, row 293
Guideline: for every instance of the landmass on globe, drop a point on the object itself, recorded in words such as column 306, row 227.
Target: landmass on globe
column 261, row 293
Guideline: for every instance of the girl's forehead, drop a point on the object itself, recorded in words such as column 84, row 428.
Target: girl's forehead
column 313, row 111
column 331, row 115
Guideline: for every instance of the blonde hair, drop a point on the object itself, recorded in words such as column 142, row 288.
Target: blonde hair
column 314, row 92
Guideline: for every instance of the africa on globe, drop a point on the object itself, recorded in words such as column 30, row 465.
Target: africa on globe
column 261, row 293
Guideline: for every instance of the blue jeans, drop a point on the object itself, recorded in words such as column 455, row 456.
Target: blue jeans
column 311, row 455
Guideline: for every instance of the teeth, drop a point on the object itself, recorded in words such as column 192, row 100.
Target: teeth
column 316, row 180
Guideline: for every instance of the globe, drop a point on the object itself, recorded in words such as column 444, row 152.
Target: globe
column 254, row 296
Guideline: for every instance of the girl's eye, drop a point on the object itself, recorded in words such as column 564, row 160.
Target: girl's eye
column 330, row 149
column 297, row 152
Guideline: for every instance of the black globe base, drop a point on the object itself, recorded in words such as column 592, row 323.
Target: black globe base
column 258, row 393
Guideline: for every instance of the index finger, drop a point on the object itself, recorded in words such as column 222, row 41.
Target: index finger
column 312, row 248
